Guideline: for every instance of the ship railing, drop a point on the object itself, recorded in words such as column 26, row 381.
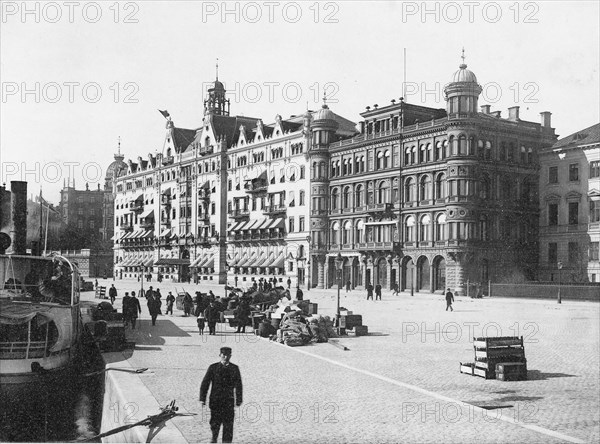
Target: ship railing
column 23, row 350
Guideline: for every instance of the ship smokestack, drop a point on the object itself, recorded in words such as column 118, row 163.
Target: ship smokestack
column 19, row 216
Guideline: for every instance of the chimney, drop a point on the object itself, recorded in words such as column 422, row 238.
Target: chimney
column 19, row 216
column 485, row 109
column 513, row 113
column 546, row 121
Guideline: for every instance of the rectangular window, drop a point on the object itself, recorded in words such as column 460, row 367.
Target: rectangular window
column 301, row 224
column 594, row 251
column 573, row 252
column 552, row 214
column 302, row 172
column 573, row 213
column 301, row 198
column 552, row 252
column 253, row 203
column 553, row 174
column 212, row 208
column 229, row 185
column 291, row 222
column 594, row 211
column 595, row 169
column 573, row 172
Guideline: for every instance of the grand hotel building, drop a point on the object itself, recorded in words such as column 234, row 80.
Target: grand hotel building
column 427, row 198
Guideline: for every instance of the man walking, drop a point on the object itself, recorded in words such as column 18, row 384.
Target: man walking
column 134, row 309
column 212, row 316
column 154, row 304
column 449, row 300
column 125, row 309
column 170, row 302
column 378, row 292
column 348, row 285
column 225, row 378
column 112, row 294
column 369, row 291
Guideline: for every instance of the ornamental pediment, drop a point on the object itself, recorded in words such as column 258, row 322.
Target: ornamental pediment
column 573, row 195
column 551, row 197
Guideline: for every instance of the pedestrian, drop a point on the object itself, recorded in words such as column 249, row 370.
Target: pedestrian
column 95, row 284
column 242, row 314
column 348, row 285
column 212, row 316
column 449, row 300
column 134, row 309
column 188, row 304
column 200, row 322
column 225, row 379
column 395, row 289
column 289, row 282
column 378, row 292
column 170, row 301
column 369, row 288
column 125, row 309
column 154, row 304
column 299, row 294
column 112, row 294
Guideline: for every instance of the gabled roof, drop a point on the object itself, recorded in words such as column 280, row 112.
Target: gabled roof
column 583, row 137
column 182, row 138
column 228, row 127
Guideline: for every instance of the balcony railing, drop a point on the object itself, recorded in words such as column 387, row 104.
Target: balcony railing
column 256, row 187
column 148, row 225
column 319, row 212
column 126, row 228
column 274, row 209
column 379, row 207
column 205, row 150
column 387, row 245
column 239, row 213
column 167, row 160
column 137, row 206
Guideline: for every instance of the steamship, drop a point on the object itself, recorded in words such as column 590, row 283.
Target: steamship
column 40, row 321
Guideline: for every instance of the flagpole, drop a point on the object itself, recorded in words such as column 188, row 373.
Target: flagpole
column 46, row 238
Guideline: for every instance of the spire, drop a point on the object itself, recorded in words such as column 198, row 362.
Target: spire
column 118, row 156
column 119, row 146
column 324, row 100
column 463, row 65
column 217, row 65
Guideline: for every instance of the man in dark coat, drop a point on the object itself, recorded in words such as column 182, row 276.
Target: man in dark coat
column 212, row 316
column 112, row 294
column 154, row 304
column 378, row 292
column 225, row 378
column 170, row 302
column 134, row 309
column 369, row 291
column 449, row 300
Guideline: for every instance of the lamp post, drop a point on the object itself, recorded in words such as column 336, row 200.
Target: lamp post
column 226, row 277
column 412, row 279
column 308, row 264
column 559, row 265
column 142, row 278
column 339, row 263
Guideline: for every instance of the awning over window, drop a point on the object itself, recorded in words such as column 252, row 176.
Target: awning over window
column 147, row 213
column 138, row 199
column 197, row 261
column 172, row 261
column 244, row 225
column 210, row 263
column 253, row 224
column 263, row 224
column 166, row 232
column 277, row 223
column 246, row 260
column 263, row 259
column 237, row 225
column 149, row 263
column 233, row 262
column 278, row 262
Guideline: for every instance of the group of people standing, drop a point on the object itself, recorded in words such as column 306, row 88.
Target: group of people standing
column 369, row 289
column 131, row 305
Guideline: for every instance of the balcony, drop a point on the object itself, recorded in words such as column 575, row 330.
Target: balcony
column 256, row 187
column 239, row 213
column 204, row 150
column 274, row 209
column 381, row 210
column 168, row 160
column 136, row 206
column 147, row 225
column 319, row 212
column 204, row 218
column 388, row 245
column 204, row 193
column 126, row 228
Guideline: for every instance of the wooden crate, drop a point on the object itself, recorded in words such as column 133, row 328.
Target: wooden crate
column 511, row 371
column 313, row 308
column 491, row 351
column 467, row 368
column 361, row 330
column 484, row 372
column 350, row 321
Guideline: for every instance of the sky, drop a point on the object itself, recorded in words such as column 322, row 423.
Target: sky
column 78, row 76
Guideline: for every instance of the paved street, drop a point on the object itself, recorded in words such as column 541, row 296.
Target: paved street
column 399, row 384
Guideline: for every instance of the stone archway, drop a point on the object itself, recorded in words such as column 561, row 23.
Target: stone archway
column 439, row 273
column 407, row 271
column 423, row 273
column 382, row 277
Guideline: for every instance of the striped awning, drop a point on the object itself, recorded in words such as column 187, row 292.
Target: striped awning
column 237, row 225
column 149, row 262
column 166, row 232
column 245, row 260
column 263, row 259
column 263, row 224
column 277, row 223
column 253, row 224
column 207, row 259
column 147, row 213
column 233, row 262
column 196, row 261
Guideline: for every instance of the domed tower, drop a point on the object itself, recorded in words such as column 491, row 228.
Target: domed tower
column 322, row 129
column 216, row 101
column 114, row 169
column 463, row 91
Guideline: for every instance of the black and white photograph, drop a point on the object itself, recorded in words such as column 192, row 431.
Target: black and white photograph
column 300, row 221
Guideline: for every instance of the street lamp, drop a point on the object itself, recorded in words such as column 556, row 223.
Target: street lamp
column 339, row 263
column 226, row 277
column 559, row 265
column 142, row 278
column 308, row 264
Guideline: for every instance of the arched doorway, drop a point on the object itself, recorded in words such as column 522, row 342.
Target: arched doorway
column 439, row 273
column 382, row 278
column 356, row 278
column 423, row 273
column 407, row 273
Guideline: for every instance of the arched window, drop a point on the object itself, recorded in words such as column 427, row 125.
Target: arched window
column 386, row 159
column 362, row 164
column 360, row 230
column 334, row 199
column 409, row 235
column 480, row 152
column 452, row 144
column 206, row 141
column 439, row 153
column 333, row 169
column 383, row 192
column 440, row 186
column 409, row 192
column 335, row 231
column 425, row 188
column 488, row 150
column 462, row 145
column 407, row 156
column 424, row 228
column 523, row 154
column 413, row 154
column 428, row 154
column 347, row 232
column 349, row 166
column 422, row 153
column 380, row 160
column 346, row 198
column 338, row 168
column 471, row 146
column 530, row 155
column 440, row 227
column 358, row 196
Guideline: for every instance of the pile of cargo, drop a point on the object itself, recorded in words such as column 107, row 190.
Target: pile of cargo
column 500, row 358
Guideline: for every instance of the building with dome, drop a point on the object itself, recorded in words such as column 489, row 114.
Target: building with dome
column 431, row 198
column 422, row 197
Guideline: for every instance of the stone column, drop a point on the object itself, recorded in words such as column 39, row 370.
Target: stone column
column 320, row 271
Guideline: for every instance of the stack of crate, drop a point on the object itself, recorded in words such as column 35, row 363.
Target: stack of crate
column 498, row 358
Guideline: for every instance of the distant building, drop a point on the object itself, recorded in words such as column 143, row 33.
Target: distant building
column 570, row 208
column 82, row 209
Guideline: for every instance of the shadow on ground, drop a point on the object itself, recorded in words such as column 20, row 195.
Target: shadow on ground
column 536, row 375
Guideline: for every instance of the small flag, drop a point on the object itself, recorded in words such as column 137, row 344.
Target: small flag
column 165, row 113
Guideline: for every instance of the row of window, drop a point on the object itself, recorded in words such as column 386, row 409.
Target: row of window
column 573, row 213
column 573, row 172
column 574, row 252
